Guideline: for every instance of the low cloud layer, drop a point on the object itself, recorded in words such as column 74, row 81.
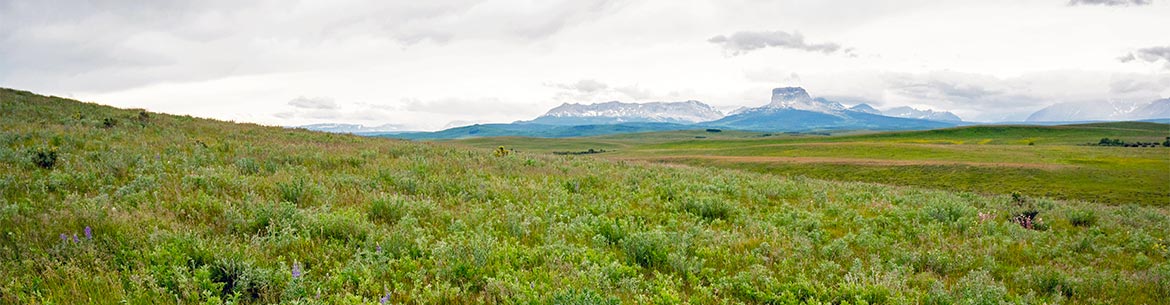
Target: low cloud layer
column 593, row 91
column 1150, row 55
column 313, row 103
column 425, row 63
column 1111, row 2
column 100, row 46
column 746, row 41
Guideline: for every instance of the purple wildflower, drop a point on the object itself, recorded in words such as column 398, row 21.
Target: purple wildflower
column 64, row 238
column 88, row 233
column 75, row 238
column 379, row 250
column 386, row 298
column 296, row 270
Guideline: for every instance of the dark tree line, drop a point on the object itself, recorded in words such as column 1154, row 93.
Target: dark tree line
column 1120, row 143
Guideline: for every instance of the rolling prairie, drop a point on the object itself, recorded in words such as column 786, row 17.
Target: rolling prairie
column 103, row 205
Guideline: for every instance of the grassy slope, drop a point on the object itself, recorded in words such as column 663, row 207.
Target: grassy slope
column 987, row 159
column 191, row 210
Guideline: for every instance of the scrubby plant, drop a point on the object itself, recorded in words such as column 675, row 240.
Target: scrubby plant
column 247, row 166
column 43, row 158
column 1082, row 218
column 707, row 208
column 979, row 288
column 582, row 297
column 367, row 219
column 610, row 229
column 143, row 117
column 646, row 249
column 387, row 209
column 298, row 191
column 1028, row 213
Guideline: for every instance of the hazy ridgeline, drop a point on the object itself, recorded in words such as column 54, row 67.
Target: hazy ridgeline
column 186, row 210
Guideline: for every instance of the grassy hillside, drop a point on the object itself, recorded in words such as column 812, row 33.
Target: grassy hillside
column 1050, row 161
column 171, row 209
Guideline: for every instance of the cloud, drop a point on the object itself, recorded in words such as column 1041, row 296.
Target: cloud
column 1110, row 2
column 593, row 91
column 745, row 41
column 980, row 97
column 488, row 106
column 585, row 86
column 103, row 46
column 313, row 103
column 1150, row 55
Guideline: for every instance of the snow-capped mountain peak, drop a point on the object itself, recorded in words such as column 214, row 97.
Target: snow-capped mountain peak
column 797, row 98
column 619, row 112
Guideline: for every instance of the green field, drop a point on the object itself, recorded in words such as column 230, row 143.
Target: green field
column 1047, row 161
column 195, row 211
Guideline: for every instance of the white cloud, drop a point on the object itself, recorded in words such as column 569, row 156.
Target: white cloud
column 422, row 63
column 746, row 41
column 1149, row 55
column 1110, row 2
column 313, row 103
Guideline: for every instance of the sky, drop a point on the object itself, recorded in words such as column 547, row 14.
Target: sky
column 426, row 65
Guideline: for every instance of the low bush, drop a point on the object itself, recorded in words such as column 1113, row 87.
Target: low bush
column 610, row 229
column 708, row 208
column 582, row 297
column 1082, row 218
column 646, row 249
column 387, row 209
column 43, row 158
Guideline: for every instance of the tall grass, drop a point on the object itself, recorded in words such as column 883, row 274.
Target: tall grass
column 187, row 210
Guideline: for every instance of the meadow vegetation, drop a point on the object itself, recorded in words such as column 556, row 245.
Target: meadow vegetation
column 1062, row 162
column 156, row 208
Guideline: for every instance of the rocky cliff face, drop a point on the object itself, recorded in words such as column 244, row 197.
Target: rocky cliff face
column 797, row 98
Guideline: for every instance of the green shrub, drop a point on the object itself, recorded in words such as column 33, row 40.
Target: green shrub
column 646, row 249
column 466, row 260
column 1028, row 215
column 241, row 277
column 247, row 166
column 44, row 158
column 610, row 229
column 979, row 288
column 947, row 211
column 342, row 225
column 1082, row 218
column 270, row 218
column 298, row 191
column 708, row 208
column 387, row 209
column 581, row 297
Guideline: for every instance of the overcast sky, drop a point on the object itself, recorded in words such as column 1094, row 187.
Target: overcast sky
column 424, row 64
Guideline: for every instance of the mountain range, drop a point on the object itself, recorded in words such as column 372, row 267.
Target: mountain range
column 790, row 109
column 687, row 112
column 1102, row 111
column 354, row 128
column 793, row 109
